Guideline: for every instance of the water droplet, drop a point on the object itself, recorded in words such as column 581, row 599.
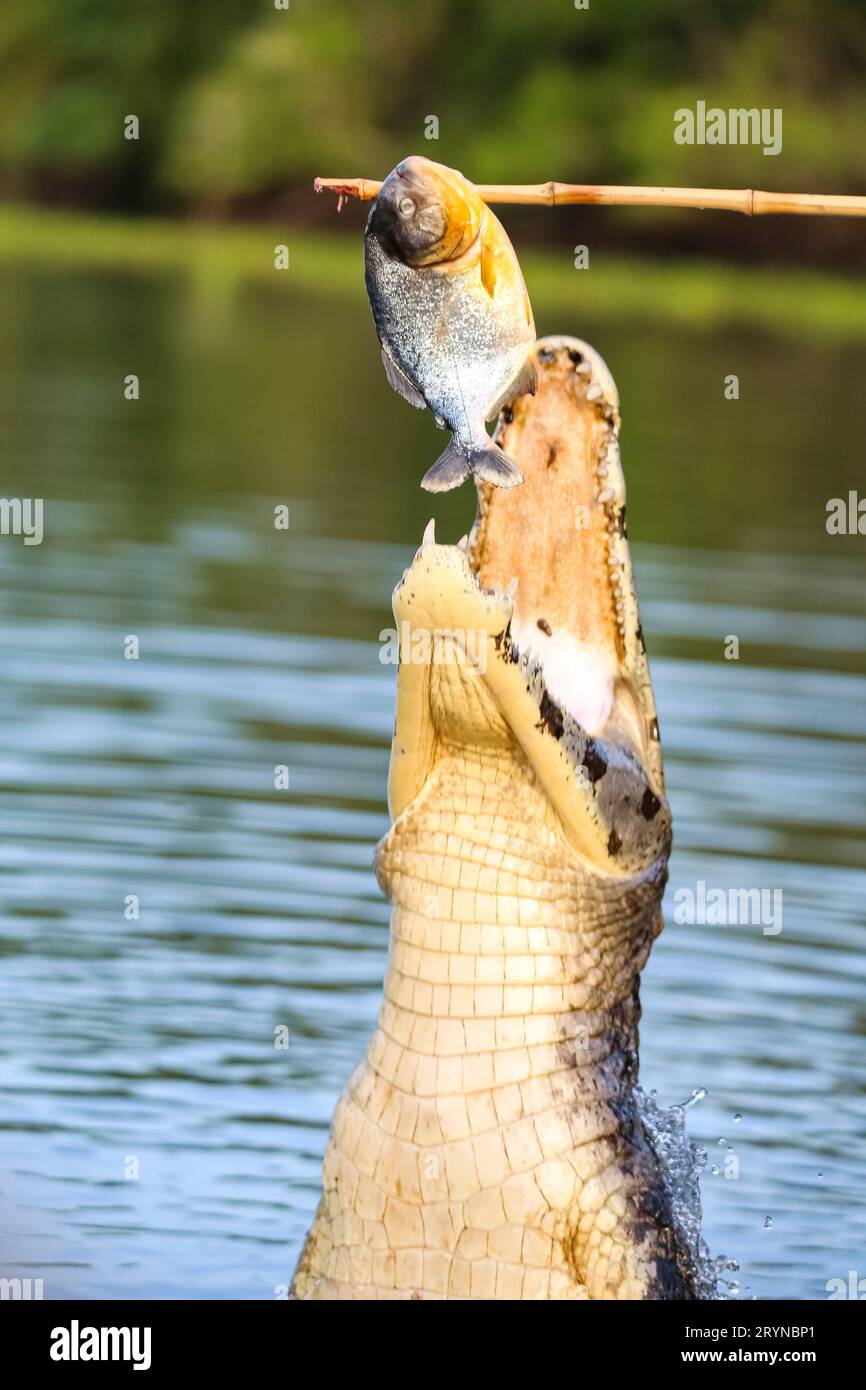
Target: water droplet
column 737, row 1118
column 715, row 1170
column 820, row 1175
column 723, row 1142
column 682, row 1164
column 768, row 1223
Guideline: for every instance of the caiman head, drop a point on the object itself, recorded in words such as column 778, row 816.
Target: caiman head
column 532, row 628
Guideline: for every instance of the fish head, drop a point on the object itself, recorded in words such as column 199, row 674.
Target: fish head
column 426, row 213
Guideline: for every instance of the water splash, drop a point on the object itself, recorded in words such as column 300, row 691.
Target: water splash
column 681, row 1162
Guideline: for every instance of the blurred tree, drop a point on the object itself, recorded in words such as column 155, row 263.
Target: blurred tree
column 239, row 99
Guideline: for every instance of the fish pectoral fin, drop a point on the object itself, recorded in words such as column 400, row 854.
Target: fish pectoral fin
column 525, row 383
column 398, row 379
column 488, row 265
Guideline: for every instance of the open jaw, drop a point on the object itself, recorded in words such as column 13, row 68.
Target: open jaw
column 554, row 664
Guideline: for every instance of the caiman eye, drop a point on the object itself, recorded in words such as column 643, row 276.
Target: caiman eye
column 406, row 207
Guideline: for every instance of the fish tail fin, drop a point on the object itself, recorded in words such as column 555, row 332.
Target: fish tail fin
column 451, row 468
column 492, row 465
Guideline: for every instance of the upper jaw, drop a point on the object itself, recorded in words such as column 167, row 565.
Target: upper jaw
column 576, row 698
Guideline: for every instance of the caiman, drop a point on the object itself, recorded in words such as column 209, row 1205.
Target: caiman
column 490, row 1145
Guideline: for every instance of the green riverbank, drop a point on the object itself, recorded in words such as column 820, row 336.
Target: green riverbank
column 692, row 294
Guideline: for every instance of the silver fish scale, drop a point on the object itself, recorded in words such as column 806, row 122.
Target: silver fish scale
column 457, row 345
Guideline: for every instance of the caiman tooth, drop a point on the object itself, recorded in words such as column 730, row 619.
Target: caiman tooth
column 463, row 544
column 429, row 537
column 512, row 589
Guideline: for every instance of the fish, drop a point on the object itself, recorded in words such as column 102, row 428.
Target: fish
column 451, row 312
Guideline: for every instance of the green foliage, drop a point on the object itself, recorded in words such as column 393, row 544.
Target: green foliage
column 236, row 98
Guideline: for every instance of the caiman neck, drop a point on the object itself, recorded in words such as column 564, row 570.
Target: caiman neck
column 502, row 943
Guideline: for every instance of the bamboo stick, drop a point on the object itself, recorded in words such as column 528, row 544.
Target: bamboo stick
column 750, row 201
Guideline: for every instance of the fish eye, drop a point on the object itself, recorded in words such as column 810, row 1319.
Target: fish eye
column 406, row 207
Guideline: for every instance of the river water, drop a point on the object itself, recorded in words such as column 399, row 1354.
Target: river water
column 153, row 1139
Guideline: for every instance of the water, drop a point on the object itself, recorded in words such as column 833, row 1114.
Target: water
column 681, row 1164
column 148, row 1045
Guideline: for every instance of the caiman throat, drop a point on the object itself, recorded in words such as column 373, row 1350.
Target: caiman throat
column 490, row 1146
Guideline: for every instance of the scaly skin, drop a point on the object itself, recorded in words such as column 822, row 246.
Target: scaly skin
column 489, row 1145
